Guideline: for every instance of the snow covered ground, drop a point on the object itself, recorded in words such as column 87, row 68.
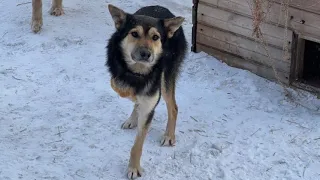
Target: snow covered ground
column 60, row 120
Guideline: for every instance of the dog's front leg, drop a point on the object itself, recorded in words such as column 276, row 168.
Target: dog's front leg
column 56, row 8
column 132, row 121
column 36, row 23
column 146, row 106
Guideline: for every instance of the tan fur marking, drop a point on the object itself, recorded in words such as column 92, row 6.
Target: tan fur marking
column 143, row 40
column 156, row 46
column 153, row 31
column 140, row 68
column 124, row 92
column 172, row 109
column 139, row 30
column 129, row 43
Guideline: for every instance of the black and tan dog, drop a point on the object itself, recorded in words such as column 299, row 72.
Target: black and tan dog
column 144, row 57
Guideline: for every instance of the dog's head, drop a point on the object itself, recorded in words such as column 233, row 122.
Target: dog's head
column 143, row 36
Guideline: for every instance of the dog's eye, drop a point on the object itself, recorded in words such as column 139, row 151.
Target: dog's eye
column 134, row 34
column 155, row 37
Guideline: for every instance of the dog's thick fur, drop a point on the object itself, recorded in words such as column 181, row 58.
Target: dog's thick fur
column 37, row 21
column 155, row 31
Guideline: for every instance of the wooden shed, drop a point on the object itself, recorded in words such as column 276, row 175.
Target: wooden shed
column 287, row 50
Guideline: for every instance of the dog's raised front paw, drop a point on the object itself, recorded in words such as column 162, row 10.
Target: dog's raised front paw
column 168, row 141
column 36, row 25
column 129, row 124
column 134, row 173
column 56, row 11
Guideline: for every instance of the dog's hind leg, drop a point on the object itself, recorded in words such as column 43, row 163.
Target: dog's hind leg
column 36, row 23
column 145, row 115
column 56, row 8
column 168, row 93
column 133, row 119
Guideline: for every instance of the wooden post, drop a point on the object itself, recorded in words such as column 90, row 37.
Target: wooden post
column 194, row 25
column 298, row 44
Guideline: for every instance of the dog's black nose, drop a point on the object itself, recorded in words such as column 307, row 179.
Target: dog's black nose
column 145, row 54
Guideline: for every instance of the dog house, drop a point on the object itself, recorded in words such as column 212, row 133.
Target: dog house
column 275, row 39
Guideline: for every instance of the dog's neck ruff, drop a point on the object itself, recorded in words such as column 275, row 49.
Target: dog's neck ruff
column 142, row 76
column 137, row 75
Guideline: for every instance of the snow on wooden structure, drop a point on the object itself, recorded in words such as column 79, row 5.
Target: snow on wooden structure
column 226, row 30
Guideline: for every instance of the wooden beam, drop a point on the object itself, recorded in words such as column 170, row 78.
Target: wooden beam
column 243, row 47
column 302, row 22
column 298, row 62
column 238, row 62
column 306, row 87
column 194, row 26
column 242, row 25
column 305, row 5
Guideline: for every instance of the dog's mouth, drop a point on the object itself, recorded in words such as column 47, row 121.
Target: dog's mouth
column 142, row 55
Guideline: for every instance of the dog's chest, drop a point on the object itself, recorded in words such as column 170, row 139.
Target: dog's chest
column 126, row 91
column 123, row 90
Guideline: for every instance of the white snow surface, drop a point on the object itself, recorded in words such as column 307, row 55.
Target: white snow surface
column 60, row 119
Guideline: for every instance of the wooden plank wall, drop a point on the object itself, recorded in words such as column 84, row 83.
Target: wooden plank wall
column 224, row 29
column 305, row 5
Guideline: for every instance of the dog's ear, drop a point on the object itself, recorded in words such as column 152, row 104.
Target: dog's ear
column 172, row 24
column 118, row 15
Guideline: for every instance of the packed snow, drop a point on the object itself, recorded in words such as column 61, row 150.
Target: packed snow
column 60, row 119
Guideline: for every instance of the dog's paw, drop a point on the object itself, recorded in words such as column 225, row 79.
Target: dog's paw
column 134, row 173
column 129, row 124
column 168, row 141
column 56, row 11
column 36, row 25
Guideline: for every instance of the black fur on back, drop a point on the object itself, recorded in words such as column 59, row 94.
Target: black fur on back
column 174, row 50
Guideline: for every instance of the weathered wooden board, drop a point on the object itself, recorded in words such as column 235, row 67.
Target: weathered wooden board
column 242, row 25
column 241, row 41
column 306, row 5
column 302, row 22
column 238, row 62
column 243, row 47
column 297, row 62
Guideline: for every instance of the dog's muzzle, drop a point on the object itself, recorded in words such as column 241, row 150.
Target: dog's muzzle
column 142, row 54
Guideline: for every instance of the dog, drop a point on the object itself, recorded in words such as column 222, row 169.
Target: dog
column 144, row 58
column 37, row 21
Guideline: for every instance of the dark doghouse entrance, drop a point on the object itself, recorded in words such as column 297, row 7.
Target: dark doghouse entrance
column 306, row 64
column 311, row 64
